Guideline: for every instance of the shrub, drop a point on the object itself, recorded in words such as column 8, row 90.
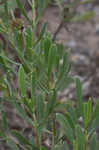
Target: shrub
column 42, row 70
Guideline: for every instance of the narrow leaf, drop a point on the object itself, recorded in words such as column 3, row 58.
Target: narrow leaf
column 42, row 32
column 80, row 137
column 4, row 121
column 79, row 96
column 29, row 43
column 85, row 17
column 12, row 145
column 21, row 112
column 51, row 58
column 85, row 116
column 40, row 106
column 96, row 111
column 89, row 108
column 92, row 144
column 46, row 44
column 22, row 81
column 51, row 101
column 33, row 86
column 65, row 126
column 20, row 137
column 65, row 146
column 70, row 120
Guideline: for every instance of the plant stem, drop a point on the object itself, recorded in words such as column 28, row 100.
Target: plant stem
column 34, row 12
column 36, row 127
column 54, row 131
column 86, row 139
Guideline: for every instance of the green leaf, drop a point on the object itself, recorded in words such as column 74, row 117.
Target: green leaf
column 72, row 112
column 40, row 108
column 57, row 62
column 8, row 86
column 41, row 4
column 27, row 104
column 62, row 146
column 6, row 12
column 3, row 135
column 43, row 148
column 21, row 41
column 51, row 58
column 4, row 121
column 51, row 101
column 70, row 120
column 3, row 62
column 33, row 87
column 87, row 112
column 63, row 80
column 79, row 137
column 97, row 147
column 79, row 96
column 65, row 146
column 65, row 64
column 21, row 112
column 85, row 116
column 89, row 105
column 96, row 111
column 12, row 145
column 92, row 145
column 23, row 140
column 9, row 60
column 22, row 81
column 75, row 145
column 65, row 126
column 57, row 147
column 60, row 50
column 42, row 32
column 90, row 132
column 20, row 5
column 46, row 44
column 29, row 43
column 63, row 106
column 20, row 56
column 85, row 17
column 20, row 137
column 95, row 122
column 42, row 82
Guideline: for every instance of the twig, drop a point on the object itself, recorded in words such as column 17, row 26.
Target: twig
column 63, row 22
column 58, row 30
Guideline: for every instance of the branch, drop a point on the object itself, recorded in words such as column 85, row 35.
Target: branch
column 58, row 30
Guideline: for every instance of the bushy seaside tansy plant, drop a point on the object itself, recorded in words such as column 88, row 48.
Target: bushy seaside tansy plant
column 32, row 72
